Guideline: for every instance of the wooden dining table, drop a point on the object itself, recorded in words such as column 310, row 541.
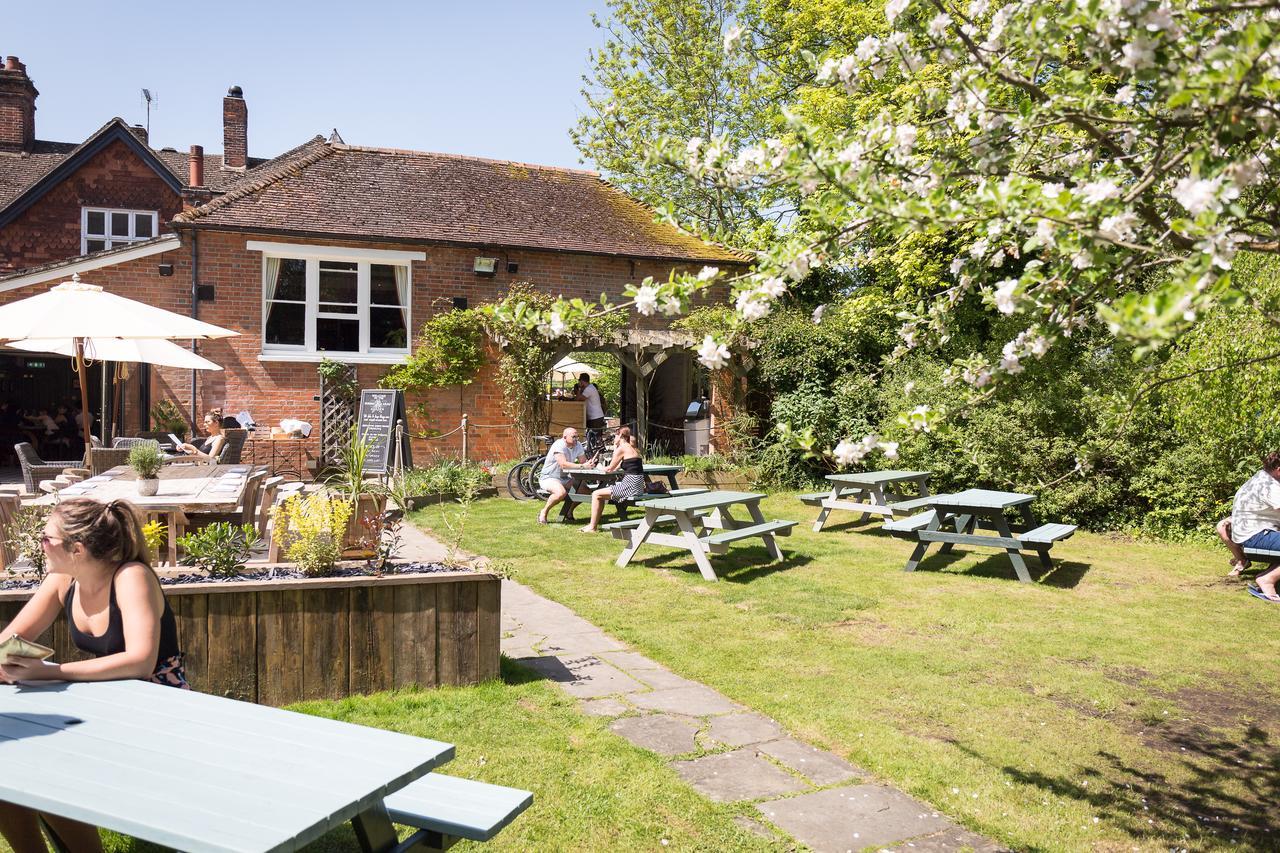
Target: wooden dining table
column 183, row 489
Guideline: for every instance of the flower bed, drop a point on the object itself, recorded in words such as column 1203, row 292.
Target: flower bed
column 419, row 501
column 278, row 640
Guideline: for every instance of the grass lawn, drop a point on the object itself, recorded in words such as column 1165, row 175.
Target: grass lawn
column 592, row 790
column 1126, row 701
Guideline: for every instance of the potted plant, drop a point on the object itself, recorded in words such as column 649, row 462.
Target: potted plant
column 146, row 460
column 366, row 497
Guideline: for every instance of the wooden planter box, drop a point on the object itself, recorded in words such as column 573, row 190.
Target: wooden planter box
column 419, row 501
column 732, row 480
column 281, row 641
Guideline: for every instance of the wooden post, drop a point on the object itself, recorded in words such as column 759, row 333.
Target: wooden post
column 464, row 436
column 84, row 396
column 642, row 410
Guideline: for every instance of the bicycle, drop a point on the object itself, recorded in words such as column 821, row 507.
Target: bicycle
column 522, row 479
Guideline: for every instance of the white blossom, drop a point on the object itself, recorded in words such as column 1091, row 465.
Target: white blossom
column 890, row 449
column 1126, row 94
column 751, row 306
column 818, row 312
column 938, row 25
column 646, row 299
column 708, row 273
column 904, row 136
column 1096, row 192
column 1138, row 54
column 1045, row 232
column 671, row 306
column 1009, row 362
column 867, row 49
column 1196, row 194
column 894, row 8
column 1004, row 295
column 693, row 145
column 908, row 388
column 731, row 37
column 713, row 355
column 1119, row 227
column 773, row 287
column 978, row 377
column 849, row 453
column 1038, row 346
column 919, row 418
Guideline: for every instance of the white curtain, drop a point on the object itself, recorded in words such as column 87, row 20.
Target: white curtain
column 402, row 292
column 271, row 271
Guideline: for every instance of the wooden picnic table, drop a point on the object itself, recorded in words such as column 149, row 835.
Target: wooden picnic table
column 697, row 517
column 197, row 772
column 954, row 519
column 183, row 489
column 584, row 481
column 870, row 493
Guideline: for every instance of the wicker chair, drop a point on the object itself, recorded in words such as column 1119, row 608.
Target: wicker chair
column 130, row 443
column 35, row 469
column 232, row 446
column 105, row 458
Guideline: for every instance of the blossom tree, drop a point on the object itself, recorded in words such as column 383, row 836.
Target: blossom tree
column 1091, row 161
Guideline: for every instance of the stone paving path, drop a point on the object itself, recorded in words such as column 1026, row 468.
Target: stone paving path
column 727, row 752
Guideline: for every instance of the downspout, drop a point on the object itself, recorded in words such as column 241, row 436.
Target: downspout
column 195, row 311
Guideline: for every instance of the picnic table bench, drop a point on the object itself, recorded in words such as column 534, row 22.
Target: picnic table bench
column 197, row 772
column 583, row 481
column 954, row 519
column 705, row 523
column 870, row 493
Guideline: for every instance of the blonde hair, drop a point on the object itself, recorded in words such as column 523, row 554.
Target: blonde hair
column 624, row 433
column 110, row 532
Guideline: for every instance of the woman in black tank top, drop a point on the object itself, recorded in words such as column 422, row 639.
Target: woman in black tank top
column 99, row 575
column 630, row 487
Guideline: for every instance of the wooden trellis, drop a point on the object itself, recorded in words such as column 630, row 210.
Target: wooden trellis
column 337, row 415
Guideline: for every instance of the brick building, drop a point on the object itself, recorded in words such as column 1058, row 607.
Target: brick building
column 327, row 250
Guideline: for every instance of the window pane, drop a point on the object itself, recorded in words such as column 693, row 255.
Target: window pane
column 286, row 324
column 291, row 281
column 119, row 224
column 142, row 225
column 338, row 335
column 337, row 285
column 386, row 328
column 382, row 285
column 96, row 222
column 95, row 245
column 336, row 308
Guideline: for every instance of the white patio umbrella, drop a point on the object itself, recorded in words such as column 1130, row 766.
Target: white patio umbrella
column 137, row 350
column 77, row 311
column 570, row 369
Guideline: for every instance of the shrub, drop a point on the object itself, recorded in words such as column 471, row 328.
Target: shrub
column 221, row 548
column 155, row 532
column 25, row 532
column 167, row 416
column 444, row 477
column 146, row 460
column 310, row 529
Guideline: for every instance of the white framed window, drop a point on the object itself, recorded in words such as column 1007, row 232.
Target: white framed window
column 327, row 302
column 106, row 228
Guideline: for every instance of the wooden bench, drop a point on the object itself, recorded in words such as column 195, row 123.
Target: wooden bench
column 724, row 537
column 447, row 809
column 909, row 506
column 1047, row 534
column 904, row 527
column 620, row 529
column 814, row 498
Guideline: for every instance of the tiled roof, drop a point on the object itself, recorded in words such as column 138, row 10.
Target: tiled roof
column 344, row 190
column 19, row 171
column 219, row 179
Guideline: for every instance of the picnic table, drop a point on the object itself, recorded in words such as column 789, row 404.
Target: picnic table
column 955, row 519
column 197, row 772
column 583, row 481
column 870, row 493
column 183, row 489
column 698, row 517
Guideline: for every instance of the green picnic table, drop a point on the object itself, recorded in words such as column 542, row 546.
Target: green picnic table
column 584, row 481
column 955, row 519
column 870, row 493
column 698, row 517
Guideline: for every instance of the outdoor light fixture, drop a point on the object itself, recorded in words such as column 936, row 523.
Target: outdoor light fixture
column 204, row 292
column 166, row 269
column 460, row 303
column 513, row 267
column 486, row 266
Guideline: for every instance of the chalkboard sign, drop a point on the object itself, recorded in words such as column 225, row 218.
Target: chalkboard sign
column 380, row 410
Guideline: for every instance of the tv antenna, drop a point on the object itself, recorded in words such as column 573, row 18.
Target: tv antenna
column 150, row 100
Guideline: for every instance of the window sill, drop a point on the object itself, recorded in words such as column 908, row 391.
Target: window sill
column 345, row 358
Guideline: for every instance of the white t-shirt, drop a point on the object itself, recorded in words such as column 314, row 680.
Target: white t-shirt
column 594, row 409
column 551, row 466
column 1256, row 507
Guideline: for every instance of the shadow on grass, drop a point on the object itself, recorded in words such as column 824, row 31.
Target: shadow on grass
column 1144, row 802
column 515, row 673
column 744, row 564
column 1063, row 574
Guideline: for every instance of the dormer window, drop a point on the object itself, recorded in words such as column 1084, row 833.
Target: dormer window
column 107, row 228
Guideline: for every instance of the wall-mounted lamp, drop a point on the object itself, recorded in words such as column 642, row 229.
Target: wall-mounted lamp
column 460, row 303
column 204, row 292
column 166, row 269
column 486, row 266
column 513, row 267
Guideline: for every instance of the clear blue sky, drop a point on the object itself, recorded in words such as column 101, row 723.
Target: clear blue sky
column 481, row 77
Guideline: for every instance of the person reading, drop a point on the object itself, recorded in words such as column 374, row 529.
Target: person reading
column 564, row 455
column 100, row 578
column 211, row 446
column 630, row 487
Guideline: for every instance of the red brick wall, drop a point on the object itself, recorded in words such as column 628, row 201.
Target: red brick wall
column 272, row 390
column 49, row 230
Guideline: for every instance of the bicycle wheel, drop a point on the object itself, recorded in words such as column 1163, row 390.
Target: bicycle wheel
column 518, row 481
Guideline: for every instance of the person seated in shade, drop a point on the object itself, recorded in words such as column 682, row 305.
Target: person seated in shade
column 1255, row 523
column 100, row 578
column 565, row 455
column 211, row 446
column 630, row 487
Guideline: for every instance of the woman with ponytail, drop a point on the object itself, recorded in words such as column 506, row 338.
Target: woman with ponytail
column 100, row 577
column 630, row 487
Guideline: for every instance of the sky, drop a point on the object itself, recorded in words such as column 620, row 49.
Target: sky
column 479, row 77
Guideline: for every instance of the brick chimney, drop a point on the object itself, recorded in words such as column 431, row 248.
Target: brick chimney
column 196, row 166
column 140, row 132
column 235, row 130
column 17, row 107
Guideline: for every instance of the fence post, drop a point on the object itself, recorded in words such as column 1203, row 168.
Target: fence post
column 464, row 436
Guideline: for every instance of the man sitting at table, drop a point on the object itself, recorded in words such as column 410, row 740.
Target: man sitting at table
column 1255, row 523
column 211, row 446
column 565, row 455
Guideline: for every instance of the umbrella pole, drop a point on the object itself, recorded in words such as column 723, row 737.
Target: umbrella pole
column 84, row 396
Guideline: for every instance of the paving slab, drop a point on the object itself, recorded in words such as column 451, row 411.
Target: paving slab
column 586, row 677
column 661, row 733
column 607, row 707
column 854, row 817
column 697, row 701
column 738, row 775
column 630, row 661
column 586, row 643
column 662, row 679
column 817, row 765
column 743, row 729
column 949, row 841
column 755, row 827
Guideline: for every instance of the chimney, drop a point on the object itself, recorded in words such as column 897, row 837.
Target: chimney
column 196, row 167
column 235, row 130
column 140, row 132
column 17, row 107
